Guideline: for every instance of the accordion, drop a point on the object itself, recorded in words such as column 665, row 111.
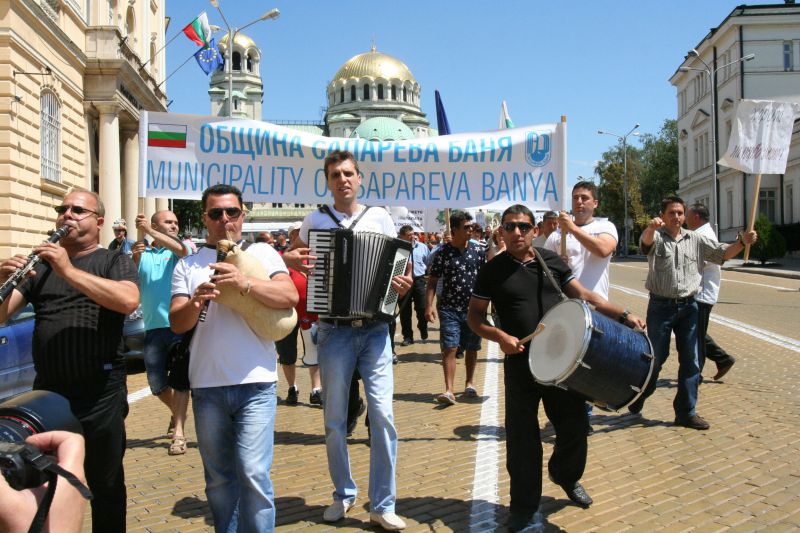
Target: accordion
column 353, row 273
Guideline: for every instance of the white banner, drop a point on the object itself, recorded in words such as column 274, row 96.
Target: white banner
column 181, row 155
column 761, row 136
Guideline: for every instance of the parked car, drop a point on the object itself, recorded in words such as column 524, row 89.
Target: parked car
column 133, row 335
column 16, row 361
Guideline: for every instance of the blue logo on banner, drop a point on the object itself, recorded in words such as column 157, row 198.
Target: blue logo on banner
column 537, row 149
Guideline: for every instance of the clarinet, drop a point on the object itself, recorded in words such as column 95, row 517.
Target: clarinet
column 33, row 259
column 221, row 255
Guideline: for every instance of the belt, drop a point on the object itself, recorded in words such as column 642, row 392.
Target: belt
column 677, row 301
column 348, row 322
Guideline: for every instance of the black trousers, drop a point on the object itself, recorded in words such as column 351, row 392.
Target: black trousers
column 415, row 297
column 708, row 349
column 101, row 408
column 568, row 415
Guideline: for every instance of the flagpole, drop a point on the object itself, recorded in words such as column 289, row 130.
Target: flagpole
column 177, row 69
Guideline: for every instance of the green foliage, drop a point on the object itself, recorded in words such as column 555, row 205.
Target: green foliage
column 770, row 244
column 189, row 213
column 660, row 166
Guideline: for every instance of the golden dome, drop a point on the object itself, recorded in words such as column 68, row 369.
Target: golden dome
column 240, row 40
column 374, row 64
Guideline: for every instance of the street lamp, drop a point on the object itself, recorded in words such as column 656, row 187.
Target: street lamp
column 271, row 14
column 712, row 76
column 624, row 140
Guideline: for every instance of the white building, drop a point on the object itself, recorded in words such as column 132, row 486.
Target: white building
column 772, row 34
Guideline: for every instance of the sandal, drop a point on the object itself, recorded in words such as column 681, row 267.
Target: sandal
column 178, row 446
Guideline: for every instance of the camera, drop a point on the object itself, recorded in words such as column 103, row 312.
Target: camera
column 25, row 415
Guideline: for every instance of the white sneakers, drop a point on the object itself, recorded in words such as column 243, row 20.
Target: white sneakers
column 339, row 508
column 388, row 521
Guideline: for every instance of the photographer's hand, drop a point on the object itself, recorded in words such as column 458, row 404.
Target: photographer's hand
column 68, row 507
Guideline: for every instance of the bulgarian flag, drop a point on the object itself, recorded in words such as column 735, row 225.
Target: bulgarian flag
column 198, row 30
column 505, row 119
column 166, row 135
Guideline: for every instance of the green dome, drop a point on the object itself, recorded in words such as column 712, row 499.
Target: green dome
column 383, row 129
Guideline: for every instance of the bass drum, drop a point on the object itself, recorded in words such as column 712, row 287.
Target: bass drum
column 589, row 354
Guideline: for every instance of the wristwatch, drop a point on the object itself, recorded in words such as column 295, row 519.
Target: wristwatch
column 624, row 316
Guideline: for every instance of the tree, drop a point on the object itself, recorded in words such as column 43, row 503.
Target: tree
column 770, row 244
column 610, row 169
column 659, row 177
column 189, row 213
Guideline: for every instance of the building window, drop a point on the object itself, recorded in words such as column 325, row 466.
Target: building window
column 130, row 24
column 50, row 132
column 365, row 96
column 767, row 202
column 352, row 93
column 729, row 208
column 788, row 59
column 237, row 61
column 112, row 4
column 152, row 55
column 341, row 95
column 405, row 95
column 790, row 204
column 380, row 91
column 249, row 63
column 684, row 161
column 394, row 92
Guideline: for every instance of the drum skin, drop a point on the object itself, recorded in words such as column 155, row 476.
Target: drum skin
column 266, row 322
column 591, row 355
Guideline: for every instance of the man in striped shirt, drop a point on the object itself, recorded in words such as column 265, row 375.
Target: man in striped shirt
column 675, row 256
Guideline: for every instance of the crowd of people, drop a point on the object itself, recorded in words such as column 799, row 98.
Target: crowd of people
column 493, row 284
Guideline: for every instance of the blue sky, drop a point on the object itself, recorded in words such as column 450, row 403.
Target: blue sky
column 605, row 64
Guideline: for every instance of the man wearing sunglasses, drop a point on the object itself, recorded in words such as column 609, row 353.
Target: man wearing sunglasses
column 346, row 344
column 81, row 294
column 232, row 371
column 515, row 285
column 457, row 264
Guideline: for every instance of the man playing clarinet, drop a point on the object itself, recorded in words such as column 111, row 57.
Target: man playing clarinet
column 81, row 294
column 345, row 344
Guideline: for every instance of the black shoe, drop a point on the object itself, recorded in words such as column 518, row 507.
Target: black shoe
column 723, row 368
column 423, row 335
column 460, row 353
column 692, row 422
column 524, row 521
column 394, row 359
column 636, row 407
column 291, row 396
column 352, row 421
column 578, row 494
column 315, row 398
column 407, row 342
column 589, row 430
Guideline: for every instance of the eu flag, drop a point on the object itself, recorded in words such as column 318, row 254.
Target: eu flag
column 209, row 57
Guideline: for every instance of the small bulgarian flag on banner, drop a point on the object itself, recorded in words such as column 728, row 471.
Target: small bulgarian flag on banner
column 166, row 135
column 198, row 30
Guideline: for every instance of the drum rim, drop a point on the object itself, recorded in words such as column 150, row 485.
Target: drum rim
column 584, row 344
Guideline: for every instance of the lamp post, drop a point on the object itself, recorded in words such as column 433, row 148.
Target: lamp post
column 712, row 77
column 271, row 14
column 624, row 140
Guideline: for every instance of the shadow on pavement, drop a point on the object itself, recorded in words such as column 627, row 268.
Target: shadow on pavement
column 192, row 507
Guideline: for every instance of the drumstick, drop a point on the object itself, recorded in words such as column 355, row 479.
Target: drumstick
column 539, row 329
column 563, row 239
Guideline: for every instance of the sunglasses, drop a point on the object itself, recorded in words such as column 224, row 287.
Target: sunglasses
column 524, row 227
column 76, row 209
column 467, row 227
column 216, row 213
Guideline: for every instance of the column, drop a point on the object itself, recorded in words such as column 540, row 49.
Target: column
column 162, row 204
column 130, row 178
column 110, row 191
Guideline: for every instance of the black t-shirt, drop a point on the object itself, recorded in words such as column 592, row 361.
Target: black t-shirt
column 520, row 292
column 74, row 337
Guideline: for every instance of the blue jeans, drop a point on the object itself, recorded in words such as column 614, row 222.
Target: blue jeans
column 235, row 433
column 156, row 350
column 341, row 350
column 454, row 330
column 664, row 317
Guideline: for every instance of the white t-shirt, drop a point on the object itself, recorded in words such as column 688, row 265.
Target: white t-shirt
column 376, row 220
column 712, row 273
column 224, row 350
column 591, row 270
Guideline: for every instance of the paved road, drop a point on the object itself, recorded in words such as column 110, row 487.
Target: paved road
column 642, row 473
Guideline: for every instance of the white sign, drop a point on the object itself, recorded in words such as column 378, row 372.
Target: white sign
column 181, row 155
column 761, row 137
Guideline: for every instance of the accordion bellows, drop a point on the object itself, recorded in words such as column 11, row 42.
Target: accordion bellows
column 266, row 322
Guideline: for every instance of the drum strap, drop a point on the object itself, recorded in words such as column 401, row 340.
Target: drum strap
column 549, row 274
